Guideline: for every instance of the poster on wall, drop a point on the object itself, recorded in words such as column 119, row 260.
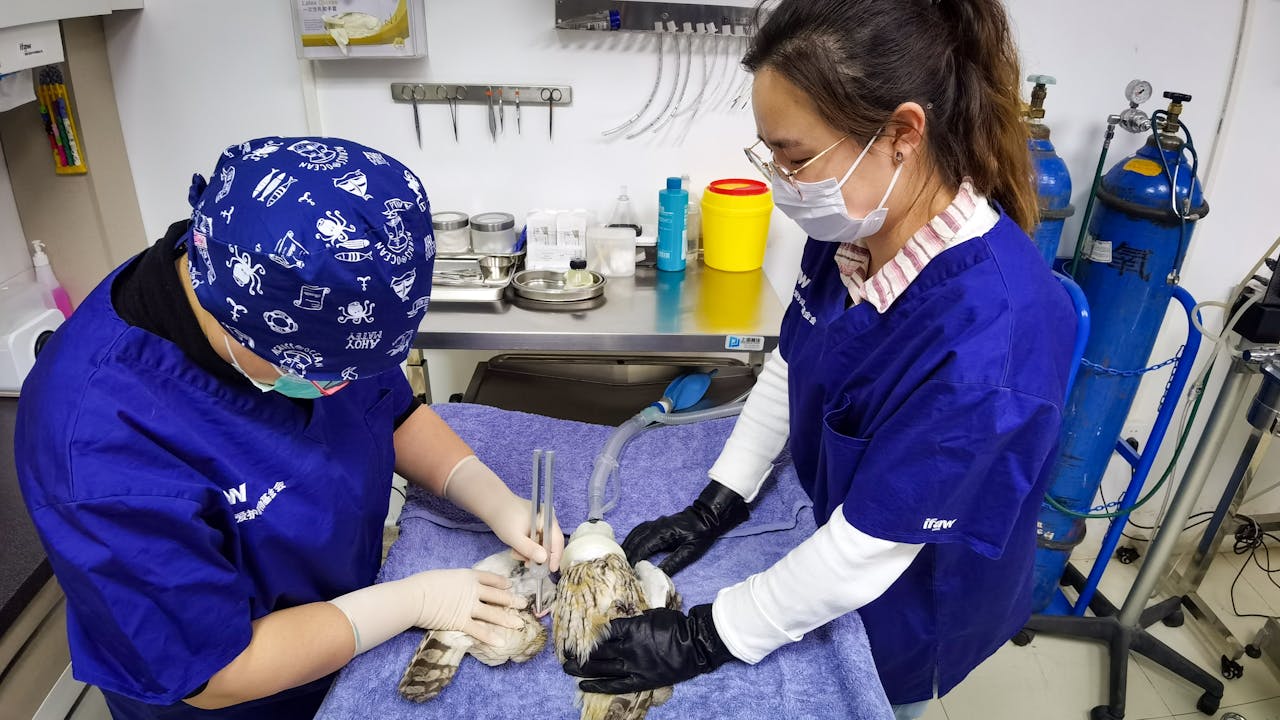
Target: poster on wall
column 341, row 29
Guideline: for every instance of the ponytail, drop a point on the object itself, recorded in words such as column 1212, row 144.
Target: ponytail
column 858, row 60
column 988, row 106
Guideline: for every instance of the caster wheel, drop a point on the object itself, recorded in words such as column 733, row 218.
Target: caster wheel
column 1023, row 638
column 1253, row 651
column 1175, row 619
column 455, row 398
column 1127, row 555
column 1102, row 712
column 1208, row 704
column 1231, row 669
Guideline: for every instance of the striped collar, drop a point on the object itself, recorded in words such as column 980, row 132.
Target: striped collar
column 954, row 225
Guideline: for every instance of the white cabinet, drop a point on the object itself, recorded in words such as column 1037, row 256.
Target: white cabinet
column 29, row 34
column 26, row 12
column 28, row 46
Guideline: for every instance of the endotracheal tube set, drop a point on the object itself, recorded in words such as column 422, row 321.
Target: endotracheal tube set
column 684, row 392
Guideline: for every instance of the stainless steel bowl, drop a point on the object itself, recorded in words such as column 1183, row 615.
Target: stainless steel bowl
column 548, row 286
column 496, row 267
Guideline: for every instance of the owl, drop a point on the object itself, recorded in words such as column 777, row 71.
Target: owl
column 596, row 586
column 436, row 662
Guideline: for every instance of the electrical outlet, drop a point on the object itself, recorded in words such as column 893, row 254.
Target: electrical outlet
column 1136, row 431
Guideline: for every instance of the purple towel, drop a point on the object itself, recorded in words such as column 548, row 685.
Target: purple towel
column 681, row 476
column 828, row 675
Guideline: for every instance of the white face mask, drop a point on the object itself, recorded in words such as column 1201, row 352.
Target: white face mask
column 819, row 208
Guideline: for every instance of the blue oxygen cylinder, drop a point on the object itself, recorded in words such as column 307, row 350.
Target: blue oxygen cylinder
column 1130, row 264
column 1053, row 181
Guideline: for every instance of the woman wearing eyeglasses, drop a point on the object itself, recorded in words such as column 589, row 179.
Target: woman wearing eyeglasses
column 206, row 447
column 922, row 363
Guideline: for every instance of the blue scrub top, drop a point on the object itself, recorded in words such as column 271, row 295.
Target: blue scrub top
column 177, row 508
column 935, row 423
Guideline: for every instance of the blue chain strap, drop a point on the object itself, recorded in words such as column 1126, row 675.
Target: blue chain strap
column 1104, row 370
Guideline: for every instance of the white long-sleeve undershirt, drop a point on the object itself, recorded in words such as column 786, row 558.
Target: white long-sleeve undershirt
column 837, row 570
column 759, row 435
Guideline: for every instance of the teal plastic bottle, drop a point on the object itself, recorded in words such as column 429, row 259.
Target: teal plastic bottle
column 672, row 204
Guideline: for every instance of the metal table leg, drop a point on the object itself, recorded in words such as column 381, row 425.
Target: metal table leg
column 1267, row 644
column 419, row 378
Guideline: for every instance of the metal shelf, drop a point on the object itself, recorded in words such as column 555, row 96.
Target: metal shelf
column 644, row 16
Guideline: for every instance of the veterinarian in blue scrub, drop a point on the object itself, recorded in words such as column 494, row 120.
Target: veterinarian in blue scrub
column 207, row 445
column 922, row 364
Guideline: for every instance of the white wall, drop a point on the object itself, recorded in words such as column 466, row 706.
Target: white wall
column 14, row 258
column 1245, row 189
column 192, row 78
column 611, row 76
column 184, row 95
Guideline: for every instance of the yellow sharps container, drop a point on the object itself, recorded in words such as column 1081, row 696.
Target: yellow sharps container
column 735, row 224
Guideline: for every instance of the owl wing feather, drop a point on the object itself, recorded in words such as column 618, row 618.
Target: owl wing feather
column 440, row 653
column 434, row 665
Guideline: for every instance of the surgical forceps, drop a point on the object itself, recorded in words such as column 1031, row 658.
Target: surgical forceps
column 540, row 528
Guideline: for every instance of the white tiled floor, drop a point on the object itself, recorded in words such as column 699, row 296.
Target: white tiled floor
column 1061, row 679
column 91, row 707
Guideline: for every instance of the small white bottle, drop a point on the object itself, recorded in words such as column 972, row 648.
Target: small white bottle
column 625, row 217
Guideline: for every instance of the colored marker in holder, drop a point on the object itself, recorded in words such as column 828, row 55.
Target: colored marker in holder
column 59, row 123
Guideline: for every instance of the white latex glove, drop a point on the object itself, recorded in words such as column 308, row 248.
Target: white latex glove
column 467, row 600
column 475, row 488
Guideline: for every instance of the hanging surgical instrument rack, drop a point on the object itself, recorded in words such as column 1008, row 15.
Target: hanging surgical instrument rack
column 491, row 96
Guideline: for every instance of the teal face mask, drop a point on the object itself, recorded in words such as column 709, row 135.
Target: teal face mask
column 287, row 384
column 295, row 387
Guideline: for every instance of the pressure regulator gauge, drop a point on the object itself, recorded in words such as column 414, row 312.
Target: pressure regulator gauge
column 1138, row 91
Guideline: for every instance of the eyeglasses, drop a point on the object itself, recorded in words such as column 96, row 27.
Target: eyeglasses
column 770, row 168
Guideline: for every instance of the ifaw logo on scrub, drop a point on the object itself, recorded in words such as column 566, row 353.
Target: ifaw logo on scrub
column 935, row 524
column 238, row 495
column 802, row 283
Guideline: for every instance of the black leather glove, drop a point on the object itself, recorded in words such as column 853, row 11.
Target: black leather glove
column 652, row 650
column 688, row 534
